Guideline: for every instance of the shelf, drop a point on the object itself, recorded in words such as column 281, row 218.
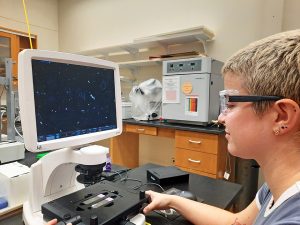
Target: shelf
column 140, row 63
column 179, row 37
column 127, row 80
column 128, row 48
column 196, row 34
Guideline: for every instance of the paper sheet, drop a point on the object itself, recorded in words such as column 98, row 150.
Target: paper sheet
column 171, row 89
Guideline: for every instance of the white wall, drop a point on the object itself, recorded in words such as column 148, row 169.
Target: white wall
column 43, row 19
column 98, row 23
column 291, row 15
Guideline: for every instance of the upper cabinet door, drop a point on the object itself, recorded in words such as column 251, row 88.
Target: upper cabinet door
column 11, row 43
column 9, row 46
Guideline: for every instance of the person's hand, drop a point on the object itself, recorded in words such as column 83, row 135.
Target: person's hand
column 54, row 222
column 158, row 201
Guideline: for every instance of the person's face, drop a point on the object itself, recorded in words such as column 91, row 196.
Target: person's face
column 245, row 130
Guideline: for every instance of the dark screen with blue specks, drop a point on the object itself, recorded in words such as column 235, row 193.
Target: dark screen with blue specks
column 72, row 99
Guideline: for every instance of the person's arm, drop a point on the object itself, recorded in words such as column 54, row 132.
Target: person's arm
column 199, row 213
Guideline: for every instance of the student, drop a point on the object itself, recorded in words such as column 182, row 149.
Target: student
column 261, row 114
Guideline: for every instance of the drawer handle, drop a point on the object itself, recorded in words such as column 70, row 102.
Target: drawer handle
column 195, row 142
column 194, row 161
column 140, row 129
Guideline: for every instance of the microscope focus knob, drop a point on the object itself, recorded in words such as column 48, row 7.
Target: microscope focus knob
column 67, row 216
column 94, row 220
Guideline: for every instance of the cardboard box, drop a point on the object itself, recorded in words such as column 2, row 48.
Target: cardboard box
column 14, row 183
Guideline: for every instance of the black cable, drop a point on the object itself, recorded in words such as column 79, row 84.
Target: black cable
column 138, row 187
column 111, row 175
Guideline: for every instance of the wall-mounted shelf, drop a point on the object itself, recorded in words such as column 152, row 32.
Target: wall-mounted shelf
column 179, row 37
column 197, row 34
column 140, row 63
column 127, row 80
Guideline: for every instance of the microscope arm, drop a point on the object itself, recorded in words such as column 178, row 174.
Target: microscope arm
column 53, row 175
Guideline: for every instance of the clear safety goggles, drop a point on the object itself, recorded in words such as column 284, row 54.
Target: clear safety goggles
column 227, row 96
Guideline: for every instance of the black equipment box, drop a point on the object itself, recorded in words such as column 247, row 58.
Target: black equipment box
column 104, row 203
column 167, row 175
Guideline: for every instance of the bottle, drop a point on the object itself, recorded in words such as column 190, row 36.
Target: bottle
column 108, row 163
column 3, row 203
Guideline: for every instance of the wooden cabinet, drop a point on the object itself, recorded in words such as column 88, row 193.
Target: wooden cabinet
column 200, row 153
column 194, row 151
column 141, row 129
column 196, row 160
column 197, row 141
column 11, row 43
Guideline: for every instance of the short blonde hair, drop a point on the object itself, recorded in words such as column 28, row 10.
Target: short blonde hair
column 270, row 66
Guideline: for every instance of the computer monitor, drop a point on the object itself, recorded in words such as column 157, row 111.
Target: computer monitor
column 67, row 100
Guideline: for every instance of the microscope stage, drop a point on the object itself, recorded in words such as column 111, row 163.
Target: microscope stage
column 104, row 203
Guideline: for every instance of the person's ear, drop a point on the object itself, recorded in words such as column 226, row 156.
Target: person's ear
column 287, row 116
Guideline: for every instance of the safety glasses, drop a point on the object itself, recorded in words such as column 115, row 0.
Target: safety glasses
column 227, row 96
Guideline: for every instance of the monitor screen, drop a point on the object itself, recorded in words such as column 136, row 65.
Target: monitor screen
column 74, row 100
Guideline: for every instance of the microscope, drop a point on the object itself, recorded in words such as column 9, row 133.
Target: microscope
column 66, row 103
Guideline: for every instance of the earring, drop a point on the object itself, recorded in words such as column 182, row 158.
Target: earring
column 276, row 131
column 283, row 126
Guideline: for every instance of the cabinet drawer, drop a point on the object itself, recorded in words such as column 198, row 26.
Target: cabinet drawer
column 141, row 129
column 197, row 141
column 196, row 160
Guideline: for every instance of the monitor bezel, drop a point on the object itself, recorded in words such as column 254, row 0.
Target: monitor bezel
column 27, row 104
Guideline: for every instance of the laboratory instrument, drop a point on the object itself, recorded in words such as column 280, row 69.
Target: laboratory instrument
column 66, row 102
column 191, row 90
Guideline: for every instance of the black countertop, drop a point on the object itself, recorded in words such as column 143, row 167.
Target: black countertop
column 211, row 129
column 215, row 192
